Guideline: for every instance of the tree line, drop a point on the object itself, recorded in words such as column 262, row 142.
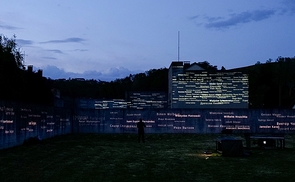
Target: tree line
column 271, row 84
column 152, row 80
column 17, row 84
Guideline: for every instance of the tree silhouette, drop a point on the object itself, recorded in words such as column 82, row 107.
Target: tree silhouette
column 10, row 54
column 272, row 85
column 11, row 61
column 207, row 66
column 17, row 84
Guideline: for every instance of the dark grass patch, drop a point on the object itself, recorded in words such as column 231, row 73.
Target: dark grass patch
column 164, row 157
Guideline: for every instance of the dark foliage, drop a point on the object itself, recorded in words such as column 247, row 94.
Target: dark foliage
column 152, row 80
column 207, row 66
column 10, row 54
column 16, row 83
column 272, row 85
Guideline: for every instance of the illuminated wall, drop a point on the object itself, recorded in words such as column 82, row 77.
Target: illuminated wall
column 193, row 87
column 85, row 103
column 188, row 121
column 101, row 104
column 111, row 104
column 134, row 100
column 145, row 100
column 19, row 122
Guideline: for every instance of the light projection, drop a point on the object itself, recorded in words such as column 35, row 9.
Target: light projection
column 145, row 100
column 111, row 104
column 194, row 121
column 7, row 120
column 196, row 88
column 19, row 123
column 281, row 121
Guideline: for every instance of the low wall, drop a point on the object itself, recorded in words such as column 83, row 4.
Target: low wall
column 19, row 122
column 186, row 121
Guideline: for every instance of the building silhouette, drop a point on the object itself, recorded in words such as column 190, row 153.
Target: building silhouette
column 191, row 86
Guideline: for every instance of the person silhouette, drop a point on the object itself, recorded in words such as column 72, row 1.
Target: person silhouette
column 140, row 126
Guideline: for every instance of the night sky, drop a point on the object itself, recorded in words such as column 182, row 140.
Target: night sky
column 111, row 39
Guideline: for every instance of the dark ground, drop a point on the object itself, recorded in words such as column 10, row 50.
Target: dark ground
column 164, row 157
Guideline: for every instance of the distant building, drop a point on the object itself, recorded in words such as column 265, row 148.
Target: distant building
column 85, row 103
column 147, row 100
column 134, row 100
column 101, row 104
column 191, row 86
column 111, row 104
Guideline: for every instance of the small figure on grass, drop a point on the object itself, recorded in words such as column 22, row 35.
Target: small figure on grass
column 140, row 127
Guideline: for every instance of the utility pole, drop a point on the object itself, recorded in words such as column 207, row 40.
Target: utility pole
column 178, row 46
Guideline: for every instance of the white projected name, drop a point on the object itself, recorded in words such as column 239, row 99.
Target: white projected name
column 231, row 116
column 32, row 123
column 122, row 126
column 276, row 121
column 9, row 131
column 136, row 121
column 183, row 128
column 6, row 121
column 166, row 119
column 133, row 114
column 230, row 127
column 187, row 116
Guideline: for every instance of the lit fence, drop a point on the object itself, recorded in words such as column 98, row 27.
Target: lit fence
column 186, row 121
column 19, row 122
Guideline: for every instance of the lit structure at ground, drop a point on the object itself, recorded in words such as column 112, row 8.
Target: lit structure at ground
column 146, row 100
column 191, row 86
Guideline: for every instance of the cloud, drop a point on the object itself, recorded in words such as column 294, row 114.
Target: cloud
column 242, row 18
column 54, row 72
column 8, row 27
column 214, row 19
column 193, row 17
column 80, row 50
column 68, row 40
column 111, row 74
column 236, row 19
column 289, row 7
column 46, row 57
column 56, row 51
column 23, row 42
column 117, row 72
column 91, row 74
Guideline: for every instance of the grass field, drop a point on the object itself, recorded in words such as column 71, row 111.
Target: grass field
column 164, row 157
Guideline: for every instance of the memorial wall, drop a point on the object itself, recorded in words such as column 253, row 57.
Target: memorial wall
column 186, row 121
column 20, row 122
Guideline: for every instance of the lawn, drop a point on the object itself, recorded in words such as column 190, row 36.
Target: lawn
column 164, row 157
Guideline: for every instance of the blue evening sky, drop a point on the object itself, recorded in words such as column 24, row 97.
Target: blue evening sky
column 104, row 39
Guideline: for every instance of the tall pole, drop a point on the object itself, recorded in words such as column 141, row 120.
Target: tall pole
column 178, row 46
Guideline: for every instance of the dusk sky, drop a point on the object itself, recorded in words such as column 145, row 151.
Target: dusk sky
column 106, row 40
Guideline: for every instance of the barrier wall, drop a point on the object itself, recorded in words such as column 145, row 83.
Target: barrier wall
column 19, row 122
column 186, row 121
